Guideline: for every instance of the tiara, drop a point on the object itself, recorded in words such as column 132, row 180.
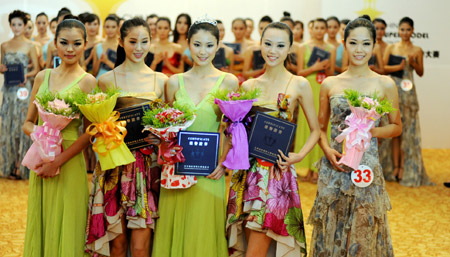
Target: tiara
column 206, row 19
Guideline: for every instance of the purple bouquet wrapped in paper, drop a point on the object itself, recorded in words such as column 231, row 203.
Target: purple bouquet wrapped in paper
column 235, row 106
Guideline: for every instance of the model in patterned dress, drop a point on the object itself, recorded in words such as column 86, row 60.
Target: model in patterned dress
column 14, row 143
column 264, row 201
column 350, row 220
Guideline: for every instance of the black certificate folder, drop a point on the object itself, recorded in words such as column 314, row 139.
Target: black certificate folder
column 269, row 134
column 133, row 116
column 201, row 151
column 14, row 75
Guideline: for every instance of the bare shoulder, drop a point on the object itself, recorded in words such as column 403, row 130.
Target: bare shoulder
column 40, row 77
column 418, row 49
column 88, row 83
column 161, row 76
column 387, row 82
column 230, row 81
column 301, row 82
column 172, row 82
column 248, row 84
column 329, row 82
column 177, row 47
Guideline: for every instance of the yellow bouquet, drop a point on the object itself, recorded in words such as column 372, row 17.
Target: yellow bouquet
column 107, row 134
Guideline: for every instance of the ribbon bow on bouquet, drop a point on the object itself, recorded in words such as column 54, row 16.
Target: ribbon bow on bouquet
column 365, row 111
column 47, row 139
column 111, row 131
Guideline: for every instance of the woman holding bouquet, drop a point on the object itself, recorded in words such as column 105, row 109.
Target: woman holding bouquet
column 265, row 199
column 192, row 221
column 57, row 203
column 13, row 142
column 406, row 149
column 127, row 194
column 349, row 219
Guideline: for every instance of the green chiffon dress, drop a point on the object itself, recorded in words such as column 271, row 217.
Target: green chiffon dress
column 302, row 133
column 192, row 221
column 57, row 207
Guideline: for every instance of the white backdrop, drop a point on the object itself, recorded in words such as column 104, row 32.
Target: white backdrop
column 431, row 27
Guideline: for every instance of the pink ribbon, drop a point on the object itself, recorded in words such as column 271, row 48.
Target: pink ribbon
column 48, row 140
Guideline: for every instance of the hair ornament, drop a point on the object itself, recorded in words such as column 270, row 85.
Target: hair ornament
column 205, row 19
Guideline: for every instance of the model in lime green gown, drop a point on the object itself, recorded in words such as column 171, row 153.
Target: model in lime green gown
column 303, row 131
column 57, row 206
column 192, row 221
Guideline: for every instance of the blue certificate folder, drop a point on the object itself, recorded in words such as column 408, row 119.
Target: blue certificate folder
column 268, row 134
column 14, row 75
column 201, row 151
column 133, row 116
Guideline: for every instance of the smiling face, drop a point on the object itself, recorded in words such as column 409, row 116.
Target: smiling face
column 405, row 31
column 136, row 44
column 359, row 46
column 41, row 24
column 111, row 27
column 203, row 46
column 239, row 30
column 182, row 25
column 275, row 46
column 17, row 26
column 332, row 28
column 163, row 29
column 70, row 45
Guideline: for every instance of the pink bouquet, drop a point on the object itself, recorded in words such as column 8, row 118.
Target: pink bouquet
column 56, row 114
column 165, row 123
column 356, row 137
column 235, row 106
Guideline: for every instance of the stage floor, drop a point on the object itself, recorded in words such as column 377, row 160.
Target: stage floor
column 419, row 220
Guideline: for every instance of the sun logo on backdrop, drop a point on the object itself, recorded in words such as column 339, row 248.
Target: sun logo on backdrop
column 104, row 7
column 370, row 9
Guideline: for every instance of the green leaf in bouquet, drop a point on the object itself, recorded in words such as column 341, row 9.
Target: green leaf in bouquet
column 240, row 94
column 353, row 96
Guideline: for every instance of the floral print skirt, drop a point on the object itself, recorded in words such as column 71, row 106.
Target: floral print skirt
column 267, row 200
column 131, row 190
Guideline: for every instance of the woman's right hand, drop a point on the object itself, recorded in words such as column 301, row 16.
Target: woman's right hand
column 152, row 139
column 402, row 64
column 333, row 156
column 321, row 65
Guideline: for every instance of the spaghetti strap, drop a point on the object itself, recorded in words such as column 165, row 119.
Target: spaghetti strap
column 115, row 81
column 181, row 80
column 285, row 90
column 220, row 80
column 154, row 82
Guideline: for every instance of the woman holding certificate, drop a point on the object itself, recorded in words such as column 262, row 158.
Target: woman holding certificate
column 16, row 54
column 401, row 60
column 265, row 199
column 191, row 220
column 316, row 61
column 58, row 189
column 350, row 211
column 126, row 197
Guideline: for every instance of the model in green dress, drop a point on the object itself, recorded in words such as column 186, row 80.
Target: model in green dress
column 57, row 203
column 314, row 74
column 192, row 221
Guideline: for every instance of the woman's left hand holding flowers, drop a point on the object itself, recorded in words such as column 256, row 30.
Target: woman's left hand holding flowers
column 47, row 169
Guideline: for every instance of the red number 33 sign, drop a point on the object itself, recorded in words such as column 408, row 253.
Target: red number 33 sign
column 363, row 176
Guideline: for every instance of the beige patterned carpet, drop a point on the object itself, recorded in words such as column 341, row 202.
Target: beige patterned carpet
column 419, row 220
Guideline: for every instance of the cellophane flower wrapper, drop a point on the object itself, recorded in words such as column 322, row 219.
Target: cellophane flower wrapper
column 360, row 121
column 47, row 139
column 235, row 111
column 108, row 132
column 167, row 159
column 235, row 105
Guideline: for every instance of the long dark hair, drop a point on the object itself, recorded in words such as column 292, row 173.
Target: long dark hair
column 176, row 35
column 124, row 30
